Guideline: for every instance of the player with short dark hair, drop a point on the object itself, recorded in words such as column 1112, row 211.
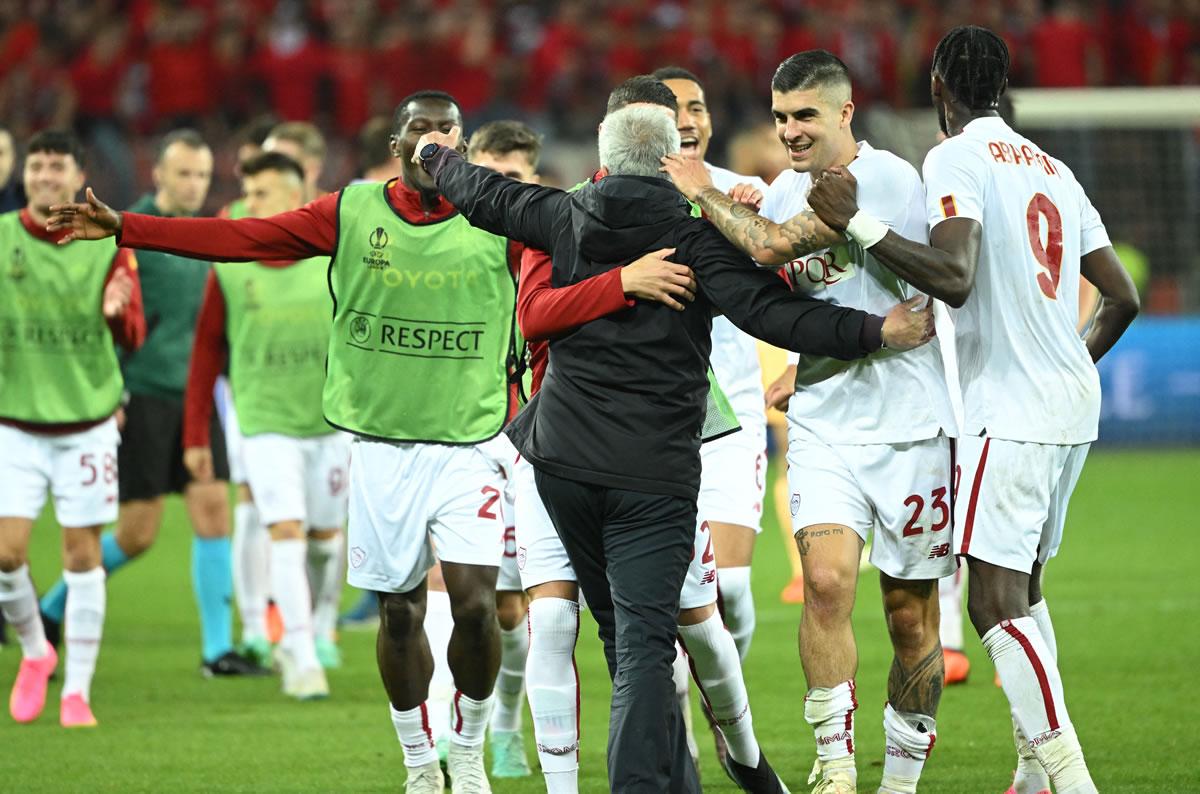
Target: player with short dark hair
column 269, row 323
column 424, row 302
column 305, row 144
column 869, row 449
column 151, row 451
column 1011, row 232
column 58, row 433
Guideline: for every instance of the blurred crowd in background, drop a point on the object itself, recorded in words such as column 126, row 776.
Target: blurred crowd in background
column 122, row 72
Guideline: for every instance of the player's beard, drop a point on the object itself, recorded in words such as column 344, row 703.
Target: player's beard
column 941, row 111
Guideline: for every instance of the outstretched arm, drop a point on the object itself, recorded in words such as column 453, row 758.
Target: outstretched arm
column 308, row 231
column 1119, row 303
column 517, row 210
column 767, row 242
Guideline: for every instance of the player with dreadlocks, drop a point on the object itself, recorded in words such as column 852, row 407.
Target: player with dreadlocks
column 1011, row 231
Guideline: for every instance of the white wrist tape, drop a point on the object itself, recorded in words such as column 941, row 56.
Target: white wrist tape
column 865, row 230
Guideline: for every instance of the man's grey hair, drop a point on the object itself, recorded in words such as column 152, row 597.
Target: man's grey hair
column 634, row 139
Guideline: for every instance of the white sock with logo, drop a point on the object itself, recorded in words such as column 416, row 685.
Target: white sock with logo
column 714, row 656
column 469, row 719
column 416, row 739
column 554, row 690
column 908, row 739
column 830, row 712
column 1032, row 683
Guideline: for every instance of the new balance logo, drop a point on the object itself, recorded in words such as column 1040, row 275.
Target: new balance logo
column 709, row 577
column 937, row 552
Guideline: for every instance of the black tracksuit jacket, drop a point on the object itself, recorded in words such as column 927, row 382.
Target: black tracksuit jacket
column 623, row 400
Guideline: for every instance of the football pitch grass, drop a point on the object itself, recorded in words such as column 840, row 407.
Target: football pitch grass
column 1124, row 595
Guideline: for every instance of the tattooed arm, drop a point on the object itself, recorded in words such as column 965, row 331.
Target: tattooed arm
column 768, row 242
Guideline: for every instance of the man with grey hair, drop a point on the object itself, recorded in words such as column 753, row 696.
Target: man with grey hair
column 614, row 432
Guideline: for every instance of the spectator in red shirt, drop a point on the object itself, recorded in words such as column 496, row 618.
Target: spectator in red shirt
column 1066, row 51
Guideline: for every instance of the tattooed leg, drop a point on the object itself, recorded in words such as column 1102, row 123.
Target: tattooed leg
column 829, row 555
column 915, row 682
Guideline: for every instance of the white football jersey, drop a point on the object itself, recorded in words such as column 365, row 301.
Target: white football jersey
column 888, row 397
column 1026, row 374
column 734, row 356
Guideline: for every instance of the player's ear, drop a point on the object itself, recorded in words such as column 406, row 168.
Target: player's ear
column 847, row 113
column 394, row 145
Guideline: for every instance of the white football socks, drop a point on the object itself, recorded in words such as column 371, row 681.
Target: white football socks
column 738, row 602
column 1030, row 777
column 830, row 712
column 251, row 570
column 289, row 585
column 20, row 606
column 325, row 580
column 416, row 738
column 468, row 721
column 83, row 626
column 439, row 624
column 681, row 674
column 554, row 690
column 950, row 601
column 1032, row 683
column 714, row 656
column 908, row 738
column 510, row 681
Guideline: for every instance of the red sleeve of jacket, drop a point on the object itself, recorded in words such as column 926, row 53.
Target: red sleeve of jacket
column 544, row 311
column 129, row 328
column 210, row 352
column 308, row 231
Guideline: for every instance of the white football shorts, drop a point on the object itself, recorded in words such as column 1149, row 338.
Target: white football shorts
column 79, row 470
column 1012, row 499
column 223, row 400
column 299, row 479
column 402, row 496
column 901, row 491
column 733, row 478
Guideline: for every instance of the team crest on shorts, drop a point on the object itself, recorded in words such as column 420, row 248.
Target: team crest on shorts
column 357, row 557
column 521, row 557
column 795, row 504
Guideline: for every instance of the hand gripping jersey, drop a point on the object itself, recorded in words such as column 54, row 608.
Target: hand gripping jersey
column 888, row 397
column 734, row 357
column 1026, row 374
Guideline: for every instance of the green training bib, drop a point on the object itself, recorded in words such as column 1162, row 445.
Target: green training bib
column 57, row 362
column 422, row 333
column 277, row 322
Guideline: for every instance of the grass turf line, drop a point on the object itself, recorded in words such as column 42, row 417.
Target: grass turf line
column 1122, row 594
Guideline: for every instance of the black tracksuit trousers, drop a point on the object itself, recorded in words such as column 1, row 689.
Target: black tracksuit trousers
column 630, row 551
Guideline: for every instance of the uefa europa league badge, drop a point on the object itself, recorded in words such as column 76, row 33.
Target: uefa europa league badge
column 795, row 504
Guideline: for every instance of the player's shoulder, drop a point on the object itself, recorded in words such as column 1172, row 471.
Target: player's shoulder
column 883, row 165
column 724, row 179
column 960, row 150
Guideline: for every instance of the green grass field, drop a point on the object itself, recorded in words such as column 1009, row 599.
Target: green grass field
column 1124, row 594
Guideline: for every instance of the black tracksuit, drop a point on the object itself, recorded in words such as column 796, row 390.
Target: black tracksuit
column 614, row 432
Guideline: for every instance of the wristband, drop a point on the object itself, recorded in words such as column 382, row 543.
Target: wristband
column 865, row 230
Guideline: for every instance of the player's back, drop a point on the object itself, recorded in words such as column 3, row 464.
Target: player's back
column 1025, row 373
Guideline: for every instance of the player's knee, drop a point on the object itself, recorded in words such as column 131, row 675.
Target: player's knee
column 510, row 609
column 400, row 614
column 474, row 610
column 11, row 558
column 829, row 589
column 910, row 624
